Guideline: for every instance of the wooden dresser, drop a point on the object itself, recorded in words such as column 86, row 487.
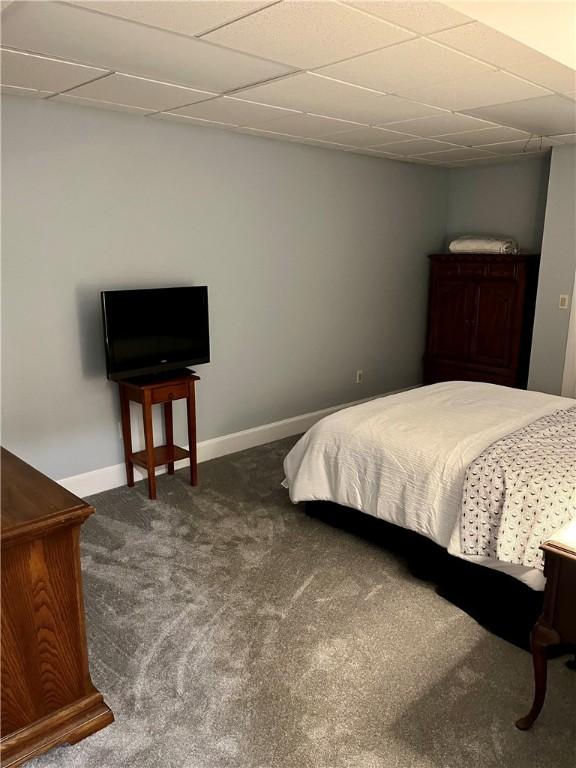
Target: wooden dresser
column 480, row 317
column 47, row 695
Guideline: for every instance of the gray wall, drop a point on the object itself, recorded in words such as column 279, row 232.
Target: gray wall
column 556, row 274
column 508, row 198
column 315, row 262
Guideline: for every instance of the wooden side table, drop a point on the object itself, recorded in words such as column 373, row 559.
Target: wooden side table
column 149, row 391
column 557, row 624
column 48, row 698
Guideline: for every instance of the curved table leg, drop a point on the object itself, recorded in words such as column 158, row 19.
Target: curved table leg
column 541, row 638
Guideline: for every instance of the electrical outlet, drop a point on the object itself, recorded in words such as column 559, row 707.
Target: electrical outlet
column 359, row 376
column 563, row 301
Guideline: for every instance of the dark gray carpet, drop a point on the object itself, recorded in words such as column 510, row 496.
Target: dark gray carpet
column 228, row 628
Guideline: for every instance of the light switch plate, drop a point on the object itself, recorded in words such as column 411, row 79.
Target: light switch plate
column 563, row 301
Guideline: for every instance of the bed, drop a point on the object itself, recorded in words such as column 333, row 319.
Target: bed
column 447, row 461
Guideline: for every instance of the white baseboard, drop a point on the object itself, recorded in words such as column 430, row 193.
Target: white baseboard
column 114, row 476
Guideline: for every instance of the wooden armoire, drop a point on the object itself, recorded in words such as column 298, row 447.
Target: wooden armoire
column 480, row 317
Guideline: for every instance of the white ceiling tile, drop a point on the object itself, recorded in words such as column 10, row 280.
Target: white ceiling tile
column 421, row 159
column 269, row 134
column 234, row 111
column 395, row 108
column 307, row 34
column 307, row 92
column 400, row 68
column 365, row 136
column 368, row 153
column 485, row 136
column 307, row 126
column 292, row 139
column 325, row 144
column 506, row 53
column 72, row 44
column 454, row 154
column 472, row 162
column 544, row 117
column 264, row 134
column 442, row 123
column 520, row 157
column 534, row 144
column 13, row 90
column 374, row 153
column 81, row 35
column 503, row 159
column 140, row 92
column 81, row 102
column 27, row 71
column 415, row 146
column 488, row 160
column 421, row 17
column 544, row 153
column 190, row 121
column 565, row 138
column 478, row 91
column 186, row 18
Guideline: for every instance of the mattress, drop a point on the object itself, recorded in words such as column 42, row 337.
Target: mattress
column 403, row 458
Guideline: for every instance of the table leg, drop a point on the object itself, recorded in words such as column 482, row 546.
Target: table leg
column 149, row 442
column 541, row 638
column 169, row 430
column 126, row 435
column 191, row 409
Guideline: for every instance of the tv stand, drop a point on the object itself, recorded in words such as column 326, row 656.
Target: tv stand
column 153, row 390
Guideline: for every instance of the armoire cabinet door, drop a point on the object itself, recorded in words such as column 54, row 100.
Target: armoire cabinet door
column 493, row 334
column 480, row 318
column 450, row 319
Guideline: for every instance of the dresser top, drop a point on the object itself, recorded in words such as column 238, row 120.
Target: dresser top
column 32, row 503
column 483, row 256
column 563, row 542
column 159, row 380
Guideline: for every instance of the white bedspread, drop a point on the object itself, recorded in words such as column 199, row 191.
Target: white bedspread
column 403, row 457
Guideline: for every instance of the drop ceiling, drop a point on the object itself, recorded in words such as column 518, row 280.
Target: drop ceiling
column 416, row 81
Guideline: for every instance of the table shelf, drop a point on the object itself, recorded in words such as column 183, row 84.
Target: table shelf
column 163, row 454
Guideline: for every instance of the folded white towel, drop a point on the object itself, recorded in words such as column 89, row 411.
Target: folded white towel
column 483, row 244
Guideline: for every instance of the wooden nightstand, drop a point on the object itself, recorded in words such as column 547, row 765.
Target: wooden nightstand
column 557, row 624
column 154, row 390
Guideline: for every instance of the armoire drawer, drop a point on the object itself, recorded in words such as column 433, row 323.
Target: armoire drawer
column 503, row 271
column 473, row 270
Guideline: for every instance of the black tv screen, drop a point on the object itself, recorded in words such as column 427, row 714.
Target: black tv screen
column 154, row 330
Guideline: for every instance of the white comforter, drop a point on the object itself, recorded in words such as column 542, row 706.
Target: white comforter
column 403, row 457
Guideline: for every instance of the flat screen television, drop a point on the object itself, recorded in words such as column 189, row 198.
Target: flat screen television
column 154, row 330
